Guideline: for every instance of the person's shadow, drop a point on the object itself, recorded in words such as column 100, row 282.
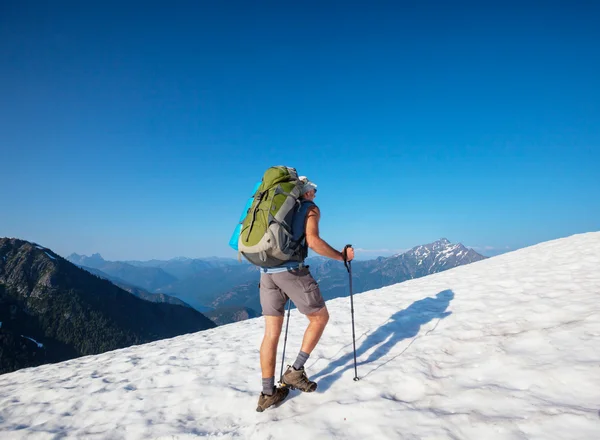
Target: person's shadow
column 401, row 325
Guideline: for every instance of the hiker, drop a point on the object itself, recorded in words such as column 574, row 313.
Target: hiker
column 293, row 280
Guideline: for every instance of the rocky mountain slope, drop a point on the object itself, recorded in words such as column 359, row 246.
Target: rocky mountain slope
column 51, row 310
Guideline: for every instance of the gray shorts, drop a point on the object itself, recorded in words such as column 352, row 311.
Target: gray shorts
column 296, row 284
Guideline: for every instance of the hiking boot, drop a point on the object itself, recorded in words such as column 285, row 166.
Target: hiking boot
column 265, row 401
column 297, row 379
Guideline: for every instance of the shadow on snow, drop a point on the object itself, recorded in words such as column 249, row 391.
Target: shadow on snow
column 402, row 325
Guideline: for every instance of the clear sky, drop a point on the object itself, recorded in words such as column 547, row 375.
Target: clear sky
column 138, row 129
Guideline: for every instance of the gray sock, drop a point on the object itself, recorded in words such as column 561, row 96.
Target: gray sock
column 300, row 360
column 268, row 385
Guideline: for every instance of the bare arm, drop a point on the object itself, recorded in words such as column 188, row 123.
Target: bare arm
column 313, row 240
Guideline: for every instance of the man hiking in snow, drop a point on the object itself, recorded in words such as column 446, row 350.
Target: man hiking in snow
column 293, row 280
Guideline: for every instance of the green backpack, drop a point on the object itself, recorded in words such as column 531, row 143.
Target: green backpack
column 266, row 234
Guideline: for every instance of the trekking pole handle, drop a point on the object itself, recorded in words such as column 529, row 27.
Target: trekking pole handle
column 345, row 256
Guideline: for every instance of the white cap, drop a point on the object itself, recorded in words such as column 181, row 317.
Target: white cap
column 307, row 185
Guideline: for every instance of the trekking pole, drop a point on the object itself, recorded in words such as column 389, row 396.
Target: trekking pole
column 348, row 265
column 285, row 340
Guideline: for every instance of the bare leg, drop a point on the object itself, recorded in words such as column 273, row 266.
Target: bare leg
column 315, row 328
column 268, row 348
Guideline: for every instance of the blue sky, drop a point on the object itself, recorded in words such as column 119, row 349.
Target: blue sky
column 137, row 130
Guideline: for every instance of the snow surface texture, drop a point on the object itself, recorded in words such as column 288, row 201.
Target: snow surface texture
column 505, row 348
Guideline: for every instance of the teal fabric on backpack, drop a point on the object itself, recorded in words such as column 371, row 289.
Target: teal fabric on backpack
column 233, row 241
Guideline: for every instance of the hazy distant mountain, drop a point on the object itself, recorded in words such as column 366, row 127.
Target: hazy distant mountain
column 242, row 295
column 182, row 267
column 229, row 283
column 196, row 281
column 137, row 291
column 51, row 310
column 203, row 288
column 227, row 315
column 148, row 278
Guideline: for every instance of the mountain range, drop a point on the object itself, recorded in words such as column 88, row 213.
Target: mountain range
column 146, row 277
column 137, row 291
column 214, row 284
column 51, row 310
